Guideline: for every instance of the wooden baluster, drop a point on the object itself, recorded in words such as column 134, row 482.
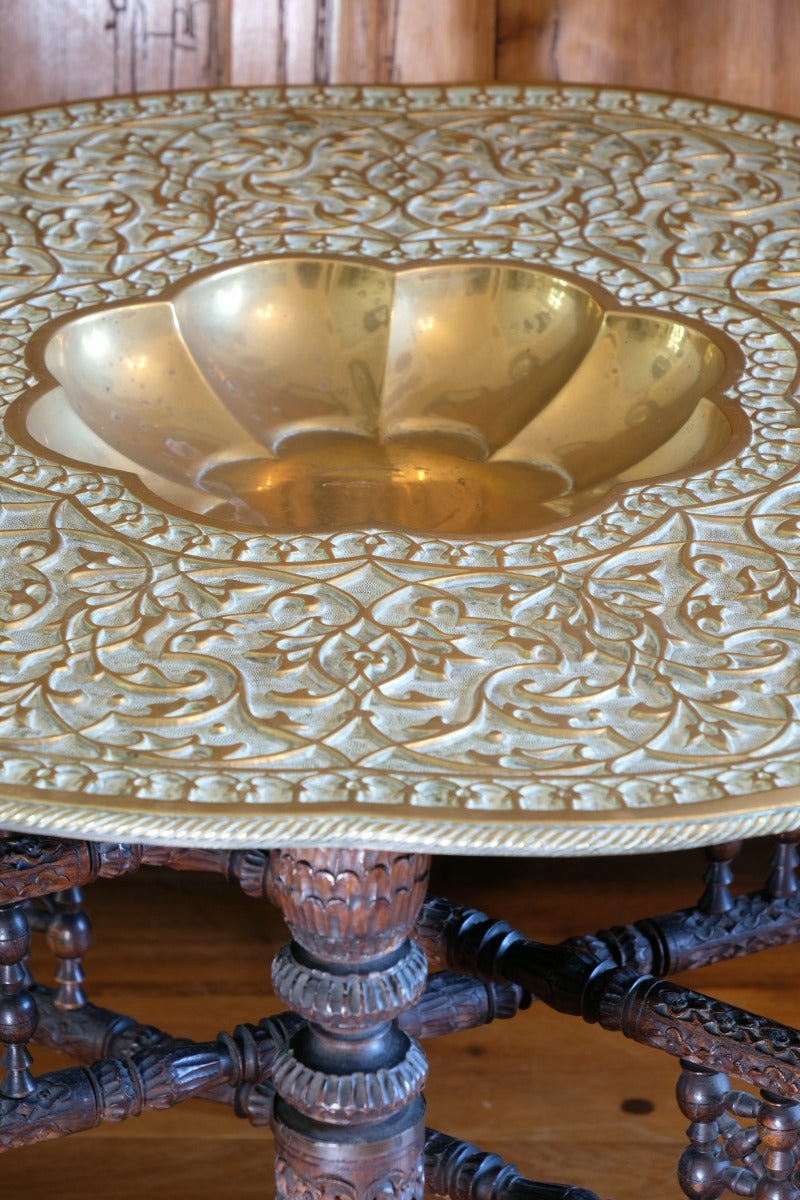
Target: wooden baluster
column 69, row 934
column 718, row 877
column 782, row 882
column 17, row 1006
column 702, row 1094
column 779, row 1130
column 27, row 977
column 709, row 1167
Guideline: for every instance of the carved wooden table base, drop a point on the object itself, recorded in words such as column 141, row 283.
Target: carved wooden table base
column 339, row 1077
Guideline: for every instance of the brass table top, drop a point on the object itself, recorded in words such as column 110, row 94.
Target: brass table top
column 621, row 677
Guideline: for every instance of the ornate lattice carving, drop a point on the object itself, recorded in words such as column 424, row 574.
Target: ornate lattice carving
column 33, row 866
column 59, row 1104
column 697, row 1027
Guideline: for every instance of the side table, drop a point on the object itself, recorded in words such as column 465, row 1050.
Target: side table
column 393, row 472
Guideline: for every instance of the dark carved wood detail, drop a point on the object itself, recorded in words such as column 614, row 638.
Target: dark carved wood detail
column 69, row 935
column 345, row 906
column 311, row 1164
column 468, row 941
column 721, row 926
column 782, row 882
column 707, row 1167
column 353, row 1000
column 91, row 1032
column 718, row 877
column 157, row 1072
column 31, row 866
column 778, row 1125
column 17, row 1007
column 349, row 1119
column 462, row 939
column 757, row 1160
column 463, row 1172
column 59, row 1104
column 699, row 1028
column 690, row 938
column 655, row 1012
column 359, row 1096
column 451, row 1002
column 34, row 866
column 75, row 1099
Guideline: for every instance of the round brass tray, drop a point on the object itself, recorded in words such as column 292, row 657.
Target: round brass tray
column 613, row 675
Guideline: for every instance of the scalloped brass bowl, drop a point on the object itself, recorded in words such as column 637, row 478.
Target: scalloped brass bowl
column 302, row 394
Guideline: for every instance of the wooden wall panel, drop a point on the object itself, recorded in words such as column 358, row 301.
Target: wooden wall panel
column 361, row 41
column 413, row 41
column 277, row 41
column 54, row 50
column 63, row 51
column 45, row 52
column 732, row 49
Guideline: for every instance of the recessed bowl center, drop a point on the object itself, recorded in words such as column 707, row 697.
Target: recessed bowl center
column 303, row 394
column 331, row 482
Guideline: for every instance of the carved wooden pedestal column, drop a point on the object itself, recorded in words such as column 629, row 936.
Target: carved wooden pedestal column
column 349, row 1119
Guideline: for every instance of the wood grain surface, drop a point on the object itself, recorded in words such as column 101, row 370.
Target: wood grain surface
column 562, row 1099
column 57, row 50
column 730, row 49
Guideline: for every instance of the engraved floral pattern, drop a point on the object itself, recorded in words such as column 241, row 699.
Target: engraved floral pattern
column 629, row 681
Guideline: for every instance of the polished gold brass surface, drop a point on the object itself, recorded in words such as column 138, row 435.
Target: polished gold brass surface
column 610, row 662
column 307, row 394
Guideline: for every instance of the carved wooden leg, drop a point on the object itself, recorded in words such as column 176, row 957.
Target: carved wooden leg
column 68, row 936
column 349, row 1119
column 17, row 1006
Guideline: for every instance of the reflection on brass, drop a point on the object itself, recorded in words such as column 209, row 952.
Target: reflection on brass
column 307, row 394
column 579, row 631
